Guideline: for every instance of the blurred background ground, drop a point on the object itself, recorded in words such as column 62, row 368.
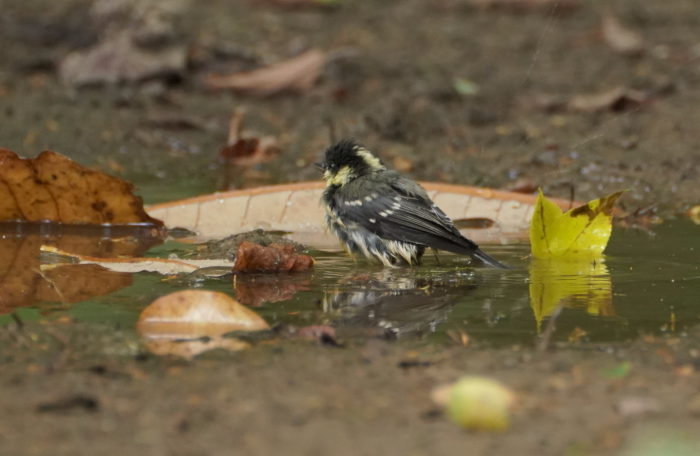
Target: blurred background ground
column 460, row 91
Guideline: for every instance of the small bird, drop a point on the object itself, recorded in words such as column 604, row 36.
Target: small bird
column 377, row 212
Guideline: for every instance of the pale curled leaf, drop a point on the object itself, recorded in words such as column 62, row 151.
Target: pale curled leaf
column 296, row 74
column 582, row 231
column 620, row 38
column 295, row 209
column 158, row 265
column 617, row 99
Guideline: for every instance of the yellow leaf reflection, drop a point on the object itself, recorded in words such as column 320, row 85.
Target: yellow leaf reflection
column 570, row 283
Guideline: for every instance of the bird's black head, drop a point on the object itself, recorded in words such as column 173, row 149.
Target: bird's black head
column 347, row 160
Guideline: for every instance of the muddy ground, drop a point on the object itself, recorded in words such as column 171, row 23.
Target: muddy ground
column 66, row 392
column 390, row 84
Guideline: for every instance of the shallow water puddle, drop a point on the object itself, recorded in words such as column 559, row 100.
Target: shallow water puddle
column 647, row 284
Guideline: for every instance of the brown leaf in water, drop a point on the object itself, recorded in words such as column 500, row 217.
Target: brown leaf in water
column 617, row 100
column 297, row 74
column 24, row 280
column 620, row 38
column 276, row 257
column 54, row 188
column 197, row 313
column 78, row 282
column 178, row 323
column 19, row 265
column 255, row 290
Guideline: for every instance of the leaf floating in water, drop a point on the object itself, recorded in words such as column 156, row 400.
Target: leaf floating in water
column 276, row 257
column 582, row 231
column 186, row 323
column 54, row 188
column 163, row 266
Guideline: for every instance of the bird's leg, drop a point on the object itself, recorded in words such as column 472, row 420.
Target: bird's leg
column 435, row 253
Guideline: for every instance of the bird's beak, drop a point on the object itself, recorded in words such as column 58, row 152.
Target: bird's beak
column 320, row 165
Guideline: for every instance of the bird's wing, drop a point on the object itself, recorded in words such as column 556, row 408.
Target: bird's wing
column 394, row 212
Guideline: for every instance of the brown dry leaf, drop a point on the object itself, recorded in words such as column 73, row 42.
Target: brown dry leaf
column 248, row 151
column 176, row 324
column 523, row 185
column 296, row 74
column 620, row 38
column 525, row 5
column 54, row 188
column 255, row 290
column 617, row 100
column 251, row 151
column 306, row 3
column 276, row 257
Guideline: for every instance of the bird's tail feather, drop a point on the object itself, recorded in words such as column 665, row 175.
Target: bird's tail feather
column 488, row 259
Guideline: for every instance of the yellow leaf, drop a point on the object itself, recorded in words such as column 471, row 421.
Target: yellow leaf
column 581, row 231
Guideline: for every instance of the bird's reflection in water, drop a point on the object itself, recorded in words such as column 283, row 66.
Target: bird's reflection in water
column 399, row 301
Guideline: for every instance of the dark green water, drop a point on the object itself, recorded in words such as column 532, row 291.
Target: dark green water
column 647, row 284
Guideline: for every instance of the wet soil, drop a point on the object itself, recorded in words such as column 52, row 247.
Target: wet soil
column 73, row 388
